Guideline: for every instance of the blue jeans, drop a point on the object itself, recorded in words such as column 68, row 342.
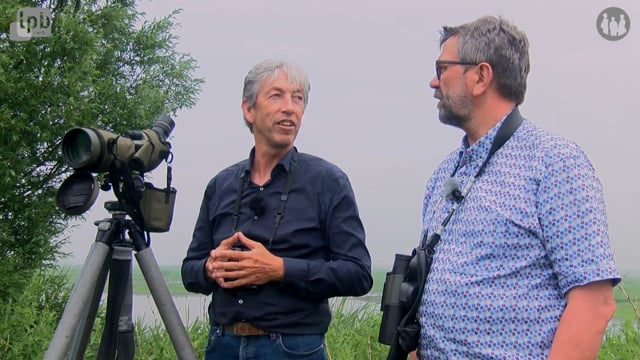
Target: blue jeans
column 226, row 346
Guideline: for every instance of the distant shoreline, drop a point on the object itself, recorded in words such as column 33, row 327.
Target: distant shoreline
column 171, row 274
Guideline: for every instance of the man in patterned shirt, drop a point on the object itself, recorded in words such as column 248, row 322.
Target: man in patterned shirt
column 524, row 268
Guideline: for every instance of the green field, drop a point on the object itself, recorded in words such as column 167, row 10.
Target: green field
column 625, row 305
column 171, row 275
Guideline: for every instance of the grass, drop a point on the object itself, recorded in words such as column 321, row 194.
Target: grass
column 27, row 324
column 627, row 294
column 623, row 344
column 170, row 273
column 353, row 334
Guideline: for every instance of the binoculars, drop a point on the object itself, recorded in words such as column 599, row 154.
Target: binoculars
column 399, row 292
column 401, row 297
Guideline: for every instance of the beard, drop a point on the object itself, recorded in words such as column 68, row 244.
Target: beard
column 455, row 109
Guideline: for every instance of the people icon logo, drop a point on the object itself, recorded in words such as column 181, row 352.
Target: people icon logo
column 613, row 23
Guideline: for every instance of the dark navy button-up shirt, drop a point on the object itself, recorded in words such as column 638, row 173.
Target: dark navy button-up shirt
column 320, row 238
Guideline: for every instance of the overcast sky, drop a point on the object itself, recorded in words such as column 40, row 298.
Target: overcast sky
column 372, row 113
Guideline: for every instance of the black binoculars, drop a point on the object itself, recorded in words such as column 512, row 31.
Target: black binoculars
column 400, row 291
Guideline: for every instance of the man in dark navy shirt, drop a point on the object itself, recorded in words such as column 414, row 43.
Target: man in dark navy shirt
column 278, row 234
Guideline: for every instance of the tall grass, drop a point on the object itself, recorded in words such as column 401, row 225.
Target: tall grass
column 353, row 333
column 623, row 344
column 27, row 325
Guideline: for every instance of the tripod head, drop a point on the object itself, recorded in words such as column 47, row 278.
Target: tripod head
column 115, row 208
column 111, row 231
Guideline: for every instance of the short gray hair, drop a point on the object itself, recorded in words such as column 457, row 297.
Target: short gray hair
column 499, row 43
column 267, row 71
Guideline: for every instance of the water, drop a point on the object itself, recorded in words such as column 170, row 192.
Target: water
column 190, row 308
column 194, row 307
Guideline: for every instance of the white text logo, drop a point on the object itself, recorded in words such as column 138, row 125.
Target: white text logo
column 30, row 23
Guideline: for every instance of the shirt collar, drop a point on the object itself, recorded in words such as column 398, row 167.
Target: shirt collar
column 480, row 149
column 285, row 162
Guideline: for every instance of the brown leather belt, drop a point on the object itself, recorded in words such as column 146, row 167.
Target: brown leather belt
column 244, row 329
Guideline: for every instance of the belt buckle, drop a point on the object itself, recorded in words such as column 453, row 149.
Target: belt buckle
column 245, row 329
column 241, row 329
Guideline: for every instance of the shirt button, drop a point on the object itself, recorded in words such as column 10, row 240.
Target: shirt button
column 255, row 218
column 261, row 188
column 240, row 301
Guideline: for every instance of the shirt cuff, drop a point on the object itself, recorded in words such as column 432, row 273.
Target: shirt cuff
column 589, row 275
column 295, row 273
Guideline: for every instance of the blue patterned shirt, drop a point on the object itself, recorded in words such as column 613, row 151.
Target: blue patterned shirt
column 533, row 226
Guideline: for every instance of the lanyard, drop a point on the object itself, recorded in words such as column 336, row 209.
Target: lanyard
column 506, row 130
column 283, row 199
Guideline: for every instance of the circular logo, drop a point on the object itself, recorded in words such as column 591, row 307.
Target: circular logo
column 613, row 23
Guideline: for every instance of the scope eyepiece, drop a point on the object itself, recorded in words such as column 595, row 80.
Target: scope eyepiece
column 163, row 126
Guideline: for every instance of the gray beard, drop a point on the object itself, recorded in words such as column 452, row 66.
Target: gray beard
column 452, row 118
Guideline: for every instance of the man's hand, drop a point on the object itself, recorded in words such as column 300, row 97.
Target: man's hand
column 236, row 268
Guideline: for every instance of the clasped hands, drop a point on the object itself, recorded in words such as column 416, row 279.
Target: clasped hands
column 255, row 265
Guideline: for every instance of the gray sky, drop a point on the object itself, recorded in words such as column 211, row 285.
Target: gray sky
column 372, row 113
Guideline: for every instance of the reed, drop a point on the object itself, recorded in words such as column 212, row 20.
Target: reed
column 27, row 324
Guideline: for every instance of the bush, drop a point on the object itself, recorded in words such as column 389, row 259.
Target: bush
column 28, row 321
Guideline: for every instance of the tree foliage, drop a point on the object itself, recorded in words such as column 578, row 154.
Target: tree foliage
column 103, row 66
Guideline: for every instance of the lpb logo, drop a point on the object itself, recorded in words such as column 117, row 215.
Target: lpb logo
column 30, row 23
column 613, row 23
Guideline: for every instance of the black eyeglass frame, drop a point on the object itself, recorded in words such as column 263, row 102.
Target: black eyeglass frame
column 439, row 63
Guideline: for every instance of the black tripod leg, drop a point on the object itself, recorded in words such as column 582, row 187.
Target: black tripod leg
column 83, row 290
column 119, row 280
column 161, row 296
column 126, row 336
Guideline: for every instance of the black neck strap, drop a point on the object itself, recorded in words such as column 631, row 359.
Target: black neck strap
column 283, row 199
column 506, row 130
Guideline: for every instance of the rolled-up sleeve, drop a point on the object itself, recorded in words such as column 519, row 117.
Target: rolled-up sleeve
column 574, row 222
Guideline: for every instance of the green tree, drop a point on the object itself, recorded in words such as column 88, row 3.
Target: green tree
column 103, row 66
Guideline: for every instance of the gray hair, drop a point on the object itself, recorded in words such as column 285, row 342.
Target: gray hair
column 268, row 71
column 499, row 43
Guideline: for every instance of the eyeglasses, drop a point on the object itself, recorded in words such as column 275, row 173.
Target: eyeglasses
column 440, row 63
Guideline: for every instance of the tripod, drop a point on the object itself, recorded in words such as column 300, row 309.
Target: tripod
column 72, row 334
